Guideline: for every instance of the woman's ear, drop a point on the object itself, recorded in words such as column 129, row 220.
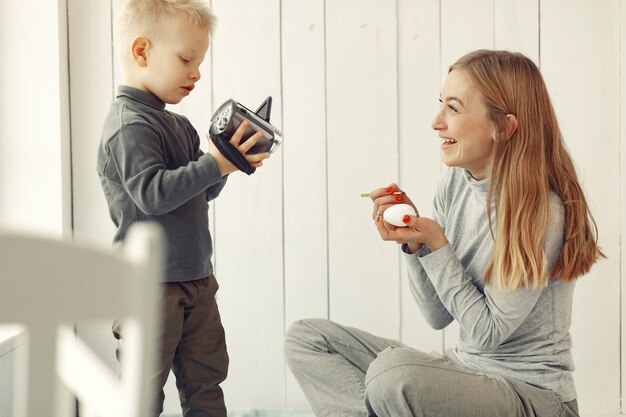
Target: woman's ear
column 138, row 49
column 510, row 126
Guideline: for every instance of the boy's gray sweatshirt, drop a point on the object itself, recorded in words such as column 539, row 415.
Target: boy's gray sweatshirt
column 521, row 334
column 151, row 168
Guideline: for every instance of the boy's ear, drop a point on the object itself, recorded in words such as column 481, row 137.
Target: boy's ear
column 138, row 48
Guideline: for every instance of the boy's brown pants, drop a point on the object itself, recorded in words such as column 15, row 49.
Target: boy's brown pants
column 193, row 347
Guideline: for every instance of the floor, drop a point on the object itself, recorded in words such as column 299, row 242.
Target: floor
column 255, row 412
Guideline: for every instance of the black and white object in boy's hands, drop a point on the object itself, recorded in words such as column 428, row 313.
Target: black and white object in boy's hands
column 227, row 119
column 395, row 214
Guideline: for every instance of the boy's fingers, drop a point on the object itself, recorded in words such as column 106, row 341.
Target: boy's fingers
column 236, row 138
column 248, row 144
column 257, row 158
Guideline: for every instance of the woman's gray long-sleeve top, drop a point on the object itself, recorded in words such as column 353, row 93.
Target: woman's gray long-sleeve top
column 521, row 334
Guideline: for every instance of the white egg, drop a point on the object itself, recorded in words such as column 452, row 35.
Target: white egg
column 394, row 214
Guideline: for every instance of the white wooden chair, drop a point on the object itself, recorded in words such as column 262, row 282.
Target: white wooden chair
column 46, row 285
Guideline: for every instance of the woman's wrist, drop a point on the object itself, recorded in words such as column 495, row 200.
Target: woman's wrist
column 412, row 248
column 438, row 244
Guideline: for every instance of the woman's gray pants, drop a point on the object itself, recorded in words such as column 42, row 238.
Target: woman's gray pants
column 348, row 372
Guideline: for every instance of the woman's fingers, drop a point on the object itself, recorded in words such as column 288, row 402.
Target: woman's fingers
column 386, row 197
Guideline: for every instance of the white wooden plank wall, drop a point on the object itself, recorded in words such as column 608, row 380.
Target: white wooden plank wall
column 34, row 118
column 458, row 36
column 91, row 91
column 622, row 190
column 305, row 165
column 362, row 154
column 249, row 212
column 355, row 85
column 582, row 73
column 419, row 83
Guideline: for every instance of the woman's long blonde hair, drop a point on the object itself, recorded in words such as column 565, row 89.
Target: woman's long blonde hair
column 526, row 167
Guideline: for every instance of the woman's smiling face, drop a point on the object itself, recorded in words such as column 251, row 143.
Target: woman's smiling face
column 464, row 126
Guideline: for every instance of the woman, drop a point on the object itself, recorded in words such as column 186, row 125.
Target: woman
column 504, row 270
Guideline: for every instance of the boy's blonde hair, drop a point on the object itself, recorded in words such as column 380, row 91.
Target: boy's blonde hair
column 150, row 17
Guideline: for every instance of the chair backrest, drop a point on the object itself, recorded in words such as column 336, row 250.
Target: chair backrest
column 46, row 285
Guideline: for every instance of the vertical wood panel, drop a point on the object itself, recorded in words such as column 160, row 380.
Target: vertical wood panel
column 465, row 26
column 65, row 121
column 419, row 84
column 517, row 27
column 91, row 80
column 580, row 61
column 460, row 35
column 90, row 58
column 249, row 220
column 622, row 192
column 33, row 116
column 304, row 127
column 362, row 155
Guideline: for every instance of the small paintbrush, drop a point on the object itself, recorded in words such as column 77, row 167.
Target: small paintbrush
column 394, row 193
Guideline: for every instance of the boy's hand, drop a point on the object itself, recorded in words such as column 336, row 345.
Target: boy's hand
column 256, row 160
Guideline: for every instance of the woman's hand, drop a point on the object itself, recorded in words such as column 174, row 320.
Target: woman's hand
column 388, row 196
column 419, row 230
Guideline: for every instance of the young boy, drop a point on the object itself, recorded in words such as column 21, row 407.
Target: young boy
column 152, row 169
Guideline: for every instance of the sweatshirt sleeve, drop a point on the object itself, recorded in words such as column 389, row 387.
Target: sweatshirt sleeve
column 142, row 166
column 422, row 289
column 488, row 317
column 424, row 293
column 214, row 190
